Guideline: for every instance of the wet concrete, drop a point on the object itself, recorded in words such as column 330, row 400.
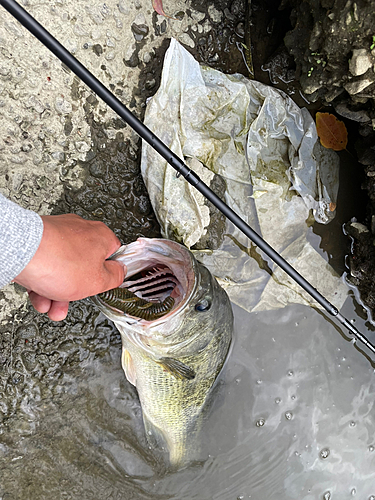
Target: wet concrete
column 64, row 151
column 47, row 114
column 70, row 423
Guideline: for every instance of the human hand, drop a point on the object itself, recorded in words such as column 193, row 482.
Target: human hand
column 71, row 264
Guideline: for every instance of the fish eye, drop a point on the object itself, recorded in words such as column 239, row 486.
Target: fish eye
column 203, row 305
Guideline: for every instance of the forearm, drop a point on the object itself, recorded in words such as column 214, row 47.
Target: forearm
column 57, row 258
column 20, row 235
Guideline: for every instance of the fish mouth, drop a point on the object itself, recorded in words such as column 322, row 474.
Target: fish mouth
column 160, row 273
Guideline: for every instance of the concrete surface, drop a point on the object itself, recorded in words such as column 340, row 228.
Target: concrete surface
column 45, row 135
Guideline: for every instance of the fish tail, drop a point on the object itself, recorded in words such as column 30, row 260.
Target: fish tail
column 174, row 446
column 177, row 454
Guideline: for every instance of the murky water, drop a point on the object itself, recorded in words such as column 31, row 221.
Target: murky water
column 292, row 416
column 292, row 419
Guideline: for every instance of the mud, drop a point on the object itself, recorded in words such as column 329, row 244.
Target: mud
column 66, row 152
column 322, row 53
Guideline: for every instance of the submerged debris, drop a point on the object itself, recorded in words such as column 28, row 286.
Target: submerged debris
column 331, row 131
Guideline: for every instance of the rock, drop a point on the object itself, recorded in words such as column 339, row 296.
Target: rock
column 186, row 40
column 140, row 31
column 358, row 116
column 310, row 84
column 356, row 229
column 360, row 62
column 82, row 146
column 355, row 86
column 333, row 93
column 215, row 15
column 133, row 60
column 367, row 158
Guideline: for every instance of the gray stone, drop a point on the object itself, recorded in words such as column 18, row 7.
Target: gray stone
column 358, row 116
column 356, row 86
column 358, row 228
column 63, row 106
column 360, row 62
column 332, row 94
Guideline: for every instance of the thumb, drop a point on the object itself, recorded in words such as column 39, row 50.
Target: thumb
column 115, row 273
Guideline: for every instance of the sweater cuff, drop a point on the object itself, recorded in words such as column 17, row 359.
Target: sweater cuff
column 21, row 231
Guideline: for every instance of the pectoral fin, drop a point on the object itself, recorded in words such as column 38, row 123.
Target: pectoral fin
column 176, row 368
column 128, row 366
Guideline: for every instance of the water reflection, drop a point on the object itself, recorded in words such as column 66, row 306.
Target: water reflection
column 292, row 418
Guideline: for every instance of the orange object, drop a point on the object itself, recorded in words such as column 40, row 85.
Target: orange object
column 158, row 7
column 332, row 206
column 331, row 131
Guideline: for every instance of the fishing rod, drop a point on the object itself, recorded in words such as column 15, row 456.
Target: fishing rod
column 145, row 133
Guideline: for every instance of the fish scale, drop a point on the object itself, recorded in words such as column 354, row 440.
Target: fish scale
column 173, row 359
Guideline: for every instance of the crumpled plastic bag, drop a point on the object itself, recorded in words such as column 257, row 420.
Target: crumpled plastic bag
column 254, row 145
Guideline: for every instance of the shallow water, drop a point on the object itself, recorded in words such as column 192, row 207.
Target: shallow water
column 292, row 418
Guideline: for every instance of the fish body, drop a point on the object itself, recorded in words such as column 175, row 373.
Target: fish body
column 173, row 360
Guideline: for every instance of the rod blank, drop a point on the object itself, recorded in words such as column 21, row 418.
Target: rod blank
column 145, row 133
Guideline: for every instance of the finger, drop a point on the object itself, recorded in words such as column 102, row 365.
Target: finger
column 41, row 304
column 113, row 245
column 115, row 274
column 58, row 310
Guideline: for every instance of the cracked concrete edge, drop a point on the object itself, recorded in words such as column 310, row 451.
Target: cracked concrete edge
column 43, row 127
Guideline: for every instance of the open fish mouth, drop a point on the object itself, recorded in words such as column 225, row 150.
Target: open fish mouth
column 159, row 281
column 147, row 295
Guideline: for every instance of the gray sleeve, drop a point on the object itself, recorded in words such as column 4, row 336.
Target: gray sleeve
column 20, row 234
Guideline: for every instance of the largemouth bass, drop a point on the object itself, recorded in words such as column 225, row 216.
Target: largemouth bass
column 175, row 358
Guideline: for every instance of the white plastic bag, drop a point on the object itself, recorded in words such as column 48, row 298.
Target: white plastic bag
column 264, row 150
